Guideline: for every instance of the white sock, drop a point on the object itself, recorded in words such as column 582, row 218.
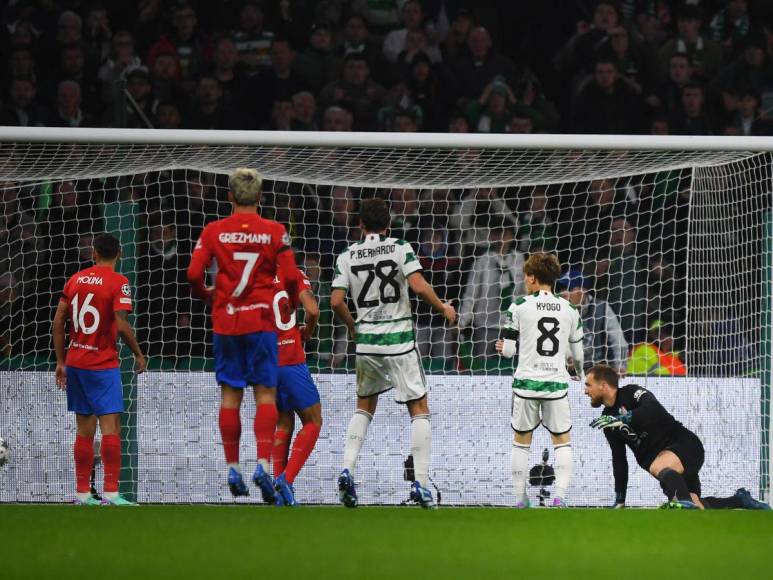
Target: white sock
column 355, row 437
column 519, row 463
column 264, row 464
column 235, row 466
column 82, row 495
column 563, row 467
column 421, row 443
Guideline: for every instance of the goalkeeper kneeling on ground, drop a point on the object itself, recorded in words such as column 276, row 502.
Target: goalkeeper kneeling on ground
column 669, row 451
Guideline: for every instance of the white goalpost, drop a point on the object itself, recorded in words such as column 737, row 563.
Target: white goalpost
column 668, row 244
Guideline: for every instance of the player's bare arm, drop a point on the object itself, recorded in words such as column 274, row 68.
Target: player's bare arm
column 426, row 292
column 126, row 332
column 341, row 309
column 311, row 308
column 60, row 319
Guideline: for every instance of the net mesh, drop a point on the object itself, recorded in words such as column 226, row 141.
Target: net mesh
column 665, row 249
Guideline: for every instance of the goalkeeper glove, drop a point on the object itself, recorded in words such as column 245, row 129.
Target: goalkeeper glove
column 612, row 421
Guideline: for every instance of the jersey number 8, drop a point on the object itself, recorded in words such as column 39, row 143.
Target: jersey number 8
column 547, row 343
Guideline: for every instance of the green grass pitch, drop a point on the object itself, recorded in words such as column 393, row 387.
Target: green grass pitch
column 312, row 543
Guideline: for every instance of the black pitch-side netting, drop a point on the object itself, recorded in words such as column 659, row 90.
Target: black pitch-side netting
column 668, row 257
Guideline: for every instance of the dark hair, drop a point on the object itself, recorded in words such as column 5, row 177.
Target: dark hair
column 107, row 246
column 374, row 215
column 605, row 373
column 545, row 267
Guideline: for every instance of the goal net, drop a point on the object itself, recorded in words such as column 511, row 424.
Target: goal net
column 666, row 244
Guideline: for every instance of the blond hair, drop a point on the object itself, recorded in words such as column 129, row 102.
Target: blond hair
column 245, row 185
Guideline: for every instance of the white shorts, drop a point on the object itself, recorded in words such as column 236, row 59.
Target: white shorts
column 556, row 416
column 403, row 373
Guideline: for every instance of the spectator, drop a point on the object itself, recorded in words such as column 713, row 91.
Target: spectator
column 165, row 77
column 397, row 42
column 282, row 116
column 607, row 104
column 383, row 15
column 491, row 112
column 619, row 279
column 121, row 57
column 252, row 39
column 72, row 67
column 209, row 111
column 138, row 86
column 441, row 269
column 581, row 51
column 496, row 279
column 530, row 101
column 68, row 107
column 69, row 29
column 694, row 120
column 279, row 82
column 753, row 71
column 357, row 40
column 97, row 37
column 472, row 72
column 21, row 64
column 23, row 110
column 521, row 123
column 192, row 46
column 404, row 208
column 168, row 116
column 667, row 98
column 634, row 63
column 538, row 231
column 603, row 339
column 458, row 123
column 731, row 25
column 747, row 114
column 704, row 53
column 337, row 119
column 656, row 357
column 304, row 112
column 319, row 64
column 478, row 207
column 357, row 90
column 660, row 125
column 225, row 58
column 456, row 41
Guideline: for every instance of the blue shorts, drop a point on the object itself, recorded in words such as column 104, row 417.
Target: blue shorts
column 94, row 392
column 296, row 390
column 246, row 359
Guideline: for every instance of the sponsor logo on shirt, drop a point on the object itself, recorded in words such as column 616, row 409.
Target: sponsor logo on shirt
column 231, row 309
column 125, row 300
column 126, row 290
column 93, row 280
column 286, row 341
column 638, row 394
column 86, row 346
column 244, row 238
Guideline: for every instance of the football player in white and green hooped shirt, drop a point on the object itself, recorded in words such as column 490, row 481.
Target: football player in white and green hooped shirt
column 378, row 270
column 542, row 328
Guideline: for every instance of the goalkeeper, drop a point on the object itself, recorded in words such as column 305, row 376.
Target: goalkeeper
column 669, row 451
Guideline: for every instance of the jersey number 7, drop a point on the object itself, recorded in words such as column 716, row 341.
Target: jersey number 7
column 251, row 258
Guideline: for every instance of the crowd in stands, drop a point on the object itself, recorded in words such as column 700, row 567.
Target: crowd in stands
column 695, row 67
column 623, row 244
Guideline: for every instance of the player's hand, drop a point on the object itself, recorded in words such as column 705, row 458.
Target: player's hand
column 306, row 332
column 499, row 345
column 61, row 377
column 449, row 312
column 611, row 421
column 140, row 364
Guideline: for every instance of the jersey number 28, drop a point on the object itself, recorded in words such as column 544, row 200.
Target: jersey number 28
column 387, row 279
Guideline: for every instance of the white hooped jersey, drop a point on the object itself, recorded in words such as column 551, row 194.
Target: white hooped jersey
column 546, row 324
column 374, row 271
